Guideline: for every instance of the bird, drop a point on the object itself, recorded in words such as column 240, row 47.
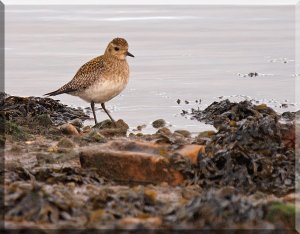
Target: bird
column 102, row 78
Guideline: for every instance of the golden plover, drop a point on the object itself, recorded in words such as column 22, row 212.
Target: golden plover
column 102, row 78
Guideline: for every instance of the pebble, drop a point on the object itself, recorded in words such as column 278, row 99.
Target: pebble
column 69, row 129
column 77, row 123
column 159, row 123
column 95, row 136
column 184, row 133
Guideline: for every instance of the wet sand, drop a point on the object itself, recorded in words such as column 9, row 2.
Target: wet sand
column 187, row 52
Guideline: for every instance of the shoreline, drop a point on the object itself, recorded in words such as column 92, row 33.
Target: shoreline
column 101, row 177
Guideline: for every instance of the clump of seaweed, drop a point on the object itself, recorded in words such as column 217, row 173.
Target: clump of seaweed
column 44, row 111
column 251, row 150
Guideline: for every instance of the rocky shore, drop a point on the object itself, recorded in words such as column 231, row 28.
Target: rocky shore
column 62, row 174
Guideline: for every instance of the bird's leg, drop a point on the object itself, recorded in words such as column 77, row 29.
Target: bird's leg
column 93, row 109
column 103, row 107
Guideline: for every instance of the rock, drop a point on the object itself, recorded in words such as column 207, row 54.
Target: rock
column 86, row 129
column 130, row 162
column 288, row 115
column 191, row 152
column 184, row 133
column 108, row 129
column 159, row 123
column 69, row 129
column 206, row 134
column 164, row 131
column 139, row 134
column 252, row 74
column 65, row 143
column 77, row 123
column 95, row 136
column 140, row 127
column 139, row 162
column 104, row 124
column 150, row 222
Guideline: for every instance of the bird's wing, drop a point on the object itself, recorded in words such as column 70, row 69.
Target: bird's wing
column 85, row 76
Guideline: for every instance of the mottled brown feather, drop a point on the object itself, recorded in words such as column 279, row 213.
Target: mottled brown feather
column 85, row 76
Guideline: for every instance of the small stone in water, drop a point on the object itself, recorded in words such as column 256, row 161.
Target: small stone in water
column 159, row 123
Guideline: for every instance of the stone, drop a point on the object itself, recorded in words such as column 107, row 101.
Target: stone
column 68, row 129
column 164, row 131
column 184, row 133
column 108, row 129
column 133, row 221
column 137, row 162
column 77, row 123
column 140, row 127
column 191, row 152
column 206, row 134
column 95, row 136
column 159, row 123
column 130, row 162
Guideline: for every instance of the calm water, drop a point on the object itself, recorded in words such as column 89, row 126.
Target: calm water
column 185, row 52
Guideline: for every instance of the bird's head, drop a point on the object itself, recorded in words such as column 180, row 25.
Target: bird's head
column 118, row 47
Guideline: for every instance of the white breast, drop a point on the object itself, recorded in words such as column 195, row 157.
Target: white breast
column 103, row 91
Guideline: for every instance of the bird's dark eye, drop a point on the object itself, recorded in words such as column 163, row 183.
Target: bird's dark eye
column 117, row 48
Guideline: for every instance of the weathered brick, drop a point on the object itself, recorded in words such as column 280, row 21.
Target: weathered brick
column 138, row 162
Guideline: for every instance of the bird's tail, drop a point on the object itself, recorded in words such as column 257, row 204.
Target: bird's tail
column 54, row 93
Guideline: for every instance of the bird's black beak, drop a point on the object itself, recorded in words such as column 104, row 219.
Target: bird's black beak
column 129, row 54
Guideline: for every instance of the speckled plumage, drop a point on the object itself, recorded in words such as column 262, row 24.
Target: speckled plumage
column 103, row 77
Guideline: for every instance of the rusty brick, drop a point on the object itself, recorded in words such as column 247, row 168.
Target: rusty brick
column 138, row 162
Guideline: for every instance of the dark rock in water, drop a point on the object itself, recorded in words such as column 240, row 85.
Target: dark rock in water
column 159, row 123
column 244, row 152
column 252, row 74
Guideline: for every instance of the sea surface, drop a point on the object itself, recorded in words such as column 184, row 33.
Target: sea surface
column 191, row 53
